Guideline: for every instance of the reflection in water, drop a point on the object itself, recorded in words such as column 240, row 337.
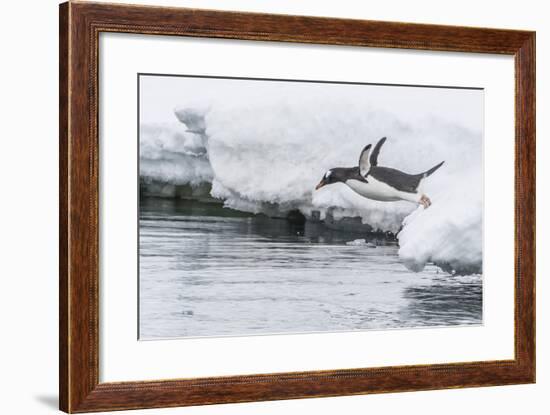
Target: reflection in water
column 210, row 271
column 460, row 296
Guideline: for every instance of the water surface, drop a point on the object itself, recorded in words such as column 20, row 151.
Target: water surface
column 211, row 271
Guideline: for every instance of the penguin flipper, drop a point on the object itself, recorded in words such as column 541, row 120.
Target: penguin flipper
column 364, row 161
column 376, row 151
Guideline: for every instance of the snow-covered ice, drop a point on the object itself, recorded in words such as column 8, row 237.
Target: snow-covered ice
column 267, row 154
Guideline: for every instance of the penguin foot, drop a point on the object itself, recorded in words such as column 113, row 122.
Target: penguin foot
column 425, row 201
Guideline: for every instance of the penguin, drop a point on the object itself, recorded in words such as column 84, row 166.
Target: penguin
column 379, row 183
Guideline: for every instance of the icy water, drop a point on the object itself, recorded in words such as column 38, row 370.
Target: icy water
column 210, row 271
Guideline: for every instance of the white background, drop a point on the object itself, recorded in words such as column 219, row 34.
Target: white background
column 28, row 208
column 122, row 56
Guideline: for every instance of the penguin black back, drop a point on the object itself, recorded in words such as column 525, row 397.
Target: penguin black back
column 397, row 179
column 400, row 180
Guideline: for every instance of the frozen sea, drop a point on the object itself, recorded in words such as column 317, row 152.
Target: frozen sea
column 210, row 271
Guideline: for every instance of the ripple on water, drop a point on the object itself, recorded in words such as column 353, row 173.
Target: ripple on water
column 216, row 275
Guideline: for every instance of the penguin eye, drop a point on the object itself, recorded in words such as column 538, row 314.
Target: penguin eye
column 327, row 176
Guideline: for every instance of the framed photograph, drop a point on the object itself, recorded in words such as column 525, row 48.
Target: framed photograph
column 260, row 207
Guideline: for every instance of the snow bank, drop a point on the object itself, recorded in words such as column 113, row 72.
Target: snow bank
column 448, row 233
column 171, row 154
column 267, row 155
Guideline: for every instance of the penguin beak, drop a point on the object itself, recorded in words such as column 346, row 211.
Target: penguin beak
column 321, row 184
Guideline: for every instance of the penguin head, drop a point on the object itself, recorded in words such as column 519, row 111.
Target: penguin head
column 330, row 177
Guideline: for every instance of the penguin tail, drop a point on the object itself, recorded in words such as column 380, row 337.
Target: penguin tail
column 432, row 170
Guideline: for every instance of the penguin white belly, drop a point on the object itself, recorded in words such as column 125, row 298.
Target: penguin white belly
column 381, row 191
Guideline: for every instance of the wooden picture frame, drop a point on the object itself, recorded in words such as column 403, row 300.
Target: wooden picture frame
column 80, row 26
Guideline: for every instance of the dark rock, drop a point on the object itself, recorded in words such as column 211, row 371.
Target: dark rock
column 295, row 216
column 347, row 224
